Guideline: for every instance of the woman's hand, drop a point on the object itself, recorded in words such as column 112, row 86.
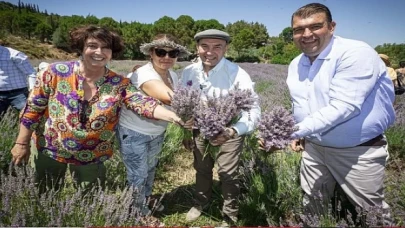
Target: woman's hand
column 21, row 153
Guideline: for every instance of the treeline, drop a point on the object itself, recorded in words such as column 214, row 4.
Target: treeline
column 250, row 40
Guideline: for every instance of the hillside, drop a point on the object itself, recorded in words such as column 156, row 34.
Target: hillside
column 36, row 50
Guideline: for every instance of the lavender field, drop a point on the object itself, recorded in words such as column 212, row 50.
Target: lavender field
column 271, row 195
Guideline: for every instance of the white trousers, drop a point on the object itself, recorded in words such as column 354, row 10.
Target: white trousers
column 359, row 171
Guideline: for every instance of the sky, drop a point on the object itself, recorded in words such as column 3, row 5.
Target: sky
column 373, row 21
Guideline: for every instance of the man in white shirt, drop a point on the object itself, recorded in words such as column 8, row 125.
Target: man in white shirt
column 342, row 103
column 214, row 74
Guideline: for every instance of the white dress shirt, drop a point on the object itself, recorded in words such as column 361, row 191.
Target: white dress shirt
column 222, row 78
column 344, row 98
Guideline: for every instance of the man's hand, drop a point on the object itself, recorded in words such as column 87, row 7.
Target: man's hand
column 224, row 136
column 188, row 144
column 297, row 145
column 189, row 124
column 20, row 153
column 260, row 141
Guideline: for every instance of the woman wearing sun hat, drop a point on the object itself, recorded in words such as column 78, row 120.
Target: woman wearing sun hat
column 141, row 139
column 391, row 72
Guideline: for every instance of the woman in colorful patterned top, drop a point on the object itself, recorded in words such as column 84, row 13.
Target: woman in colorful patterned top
column 141, row 139
column 74, row 109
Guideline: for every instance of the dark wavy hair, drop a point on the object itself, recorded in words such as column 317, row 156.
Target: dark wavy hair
column 79, row 35
column 311, row 9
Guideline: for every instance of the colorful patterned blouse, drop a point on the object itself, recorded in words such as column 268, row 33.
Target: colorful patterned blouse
column 54, row 112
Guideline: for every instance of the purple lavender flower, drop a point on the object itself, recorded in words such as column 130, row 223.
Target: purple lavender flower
column 243, row 98
column 214, row 115
column 184, row 100
column 275, row 128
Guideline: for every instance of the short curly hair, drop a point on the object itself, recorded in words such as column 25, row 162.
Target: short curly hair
column 79, row 35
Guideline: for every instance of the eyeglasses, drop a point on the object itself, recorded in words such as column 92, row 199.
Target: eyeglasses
column 83, row 105
column 162, row 53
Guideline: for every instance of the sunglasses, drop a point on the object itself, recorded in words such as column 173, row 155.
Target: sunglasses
column 162, row 53
column 83, row 118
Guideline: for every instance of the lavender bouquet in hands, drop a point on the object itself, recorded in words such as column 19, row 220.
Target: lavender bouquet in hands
column 183, row 102
column 275, row 128
column 242, row 98
column 213, row 115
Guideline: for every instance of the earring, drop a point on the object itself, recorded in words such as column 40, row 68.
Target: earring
column 81, row 57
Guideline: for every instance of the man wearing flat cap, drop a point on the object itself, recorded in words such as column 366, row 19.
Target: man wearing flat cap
column 214, row 74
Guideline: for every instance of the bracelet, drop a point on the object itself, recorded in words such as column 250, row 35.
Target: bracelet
column 23, row 144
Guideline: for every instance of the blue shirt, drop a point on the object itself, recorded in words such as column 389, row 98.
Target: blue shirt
column 14, row 69
column 344, row 98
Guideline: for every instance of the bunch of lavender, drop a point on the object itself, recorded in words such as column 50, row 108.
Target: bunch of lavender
column 217, row 113
column 275, row 128
column 184, row 100
column 243, row 98
column 211, row 116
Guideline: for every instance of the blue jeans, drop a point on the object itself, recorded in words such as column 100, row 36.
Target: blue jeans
column 16, row 98
column 140, row 154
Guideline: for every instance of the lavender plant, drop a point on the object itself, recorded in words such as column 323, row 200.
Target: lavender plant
column 275, row 128
column 22, row 205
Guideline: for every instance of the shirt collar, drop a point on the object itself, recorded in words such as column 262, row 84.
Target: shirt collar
column 217, row 68
column 324, row 55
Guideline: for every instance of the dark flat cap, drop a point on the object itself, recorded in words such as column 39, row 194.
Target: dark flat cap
column 212, row 34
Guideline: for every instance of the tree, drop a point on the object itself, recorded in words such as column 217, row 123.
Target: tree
column 135, row 34
column 202, row 25
column 6, row 20
column 44, row 31
column 243, row 40
column 287, row 35
column 164, row 25
column 261, row 34
column 91, row 19
column 184, row 31
column 396, row 52
column 26, row 24
column 110, row 23
column 259, row 30
column 60, row 37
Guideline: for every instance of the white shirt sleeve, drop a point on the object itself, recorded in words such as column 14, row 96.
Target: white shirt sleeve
column 249, row 119
column 144, row 74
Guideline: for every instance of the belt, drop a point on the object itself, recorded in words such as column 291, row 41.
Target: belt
column 377, row 141
column 13, row 91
